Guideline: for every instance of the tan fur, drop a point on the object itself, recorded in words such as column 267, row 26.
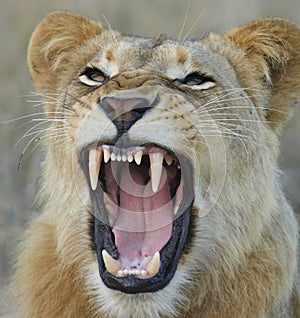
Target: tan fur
column 242, row 260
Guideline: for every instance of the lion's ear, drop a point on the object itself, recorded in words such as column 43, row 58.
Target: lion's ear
column 53, row 46
column 272, row 46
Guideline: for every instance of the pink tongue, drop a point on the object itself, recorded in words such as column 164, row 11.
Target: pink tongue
column 144, row 222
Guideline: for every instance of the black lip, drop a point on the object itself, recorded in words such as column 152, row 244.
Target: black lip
column 103, row 238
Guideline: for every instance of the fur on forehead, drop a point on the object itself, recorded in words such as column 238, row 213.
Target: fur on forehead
column 170, row 57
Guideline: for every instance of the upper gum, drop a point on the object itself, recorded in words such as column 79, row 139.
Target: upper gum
column 133, row 150
column 129, row 153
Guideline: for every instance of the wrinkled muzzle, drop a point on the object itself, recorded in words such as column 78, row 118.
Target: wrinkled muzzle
column 142, row 198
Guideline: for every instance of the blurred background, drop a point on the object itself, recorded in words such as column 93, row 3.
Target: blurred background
column 18, row 19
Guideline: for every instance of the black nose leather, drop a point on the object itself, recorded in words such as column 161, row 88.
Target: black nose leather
column 124, row 112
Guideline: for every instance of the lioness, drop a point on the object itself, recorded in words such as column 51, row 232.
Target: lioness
column 161, row 187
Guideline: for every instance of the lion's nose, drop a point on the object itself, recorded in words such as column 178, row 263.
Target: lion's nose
column 124, row 112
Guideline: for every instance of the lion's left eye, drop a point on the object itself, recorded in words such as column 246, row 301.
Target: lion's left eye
column 197, row 81
column 92, row 77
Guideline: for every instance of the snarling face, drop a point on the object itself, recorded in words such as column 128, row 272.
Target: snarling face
column 138, row 165
column 160, row 151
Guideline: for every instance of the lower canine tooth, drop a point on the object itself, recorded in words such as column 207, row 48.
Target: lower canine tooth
column 112, row 265
column 154, row 265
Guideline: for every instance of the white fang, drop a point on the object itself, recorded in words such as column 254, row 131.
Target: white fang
column 112, row 265
column 154, row 265
column 95, row 158
column 156, row 160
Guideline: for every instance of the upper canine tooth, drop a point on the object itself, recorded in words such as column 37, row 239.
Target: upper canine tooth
column 154, row 265
column 138, row 157
column 112, row 265
column 95, row 158
column 156, row 160
column 106, row 155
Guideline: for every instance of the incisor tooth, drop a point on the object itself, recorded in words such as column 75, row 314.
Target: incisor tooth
column 154, row 265
column 156, row 160
column 106, row 155
column 125, row 272
column 138, row 157
column 120, row 273
column 95, row 158
column 113, row 157
column 112, row 265
column 130, row 158
column 143, row 273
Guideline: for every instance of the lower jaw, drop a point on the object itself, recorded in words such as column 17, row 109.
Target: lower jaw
column 170, row 257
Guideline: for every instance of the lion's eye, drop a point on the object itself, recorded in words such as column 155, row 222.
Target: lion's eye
column 197, row 81
column 92, row 77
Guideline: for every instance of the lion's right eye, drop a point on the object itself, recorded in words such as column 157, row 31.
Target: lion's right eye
column 93, row 77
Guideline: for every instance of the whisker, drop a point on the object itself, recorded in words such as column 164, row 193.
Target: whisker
column 62, row 142
column 37, row 145
column 184, row 20
column 48, row 95
column 31, row 115
column 219, row 100
column 207, row 130
column 110, row 28
column 50, row 120
column 240, row 120
column 238, row 127
column 228, row 135
column 56, row 100
column 37, row 132
column 43, row 121
column 193, row 25
column 232, row 91
column 29, row 131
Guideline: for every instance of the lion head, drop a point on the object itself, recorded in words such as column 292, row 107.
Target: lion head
column 161, row 184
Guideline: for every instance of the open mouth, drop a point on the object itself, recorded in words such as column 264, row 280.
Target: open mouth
column 142, row 199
